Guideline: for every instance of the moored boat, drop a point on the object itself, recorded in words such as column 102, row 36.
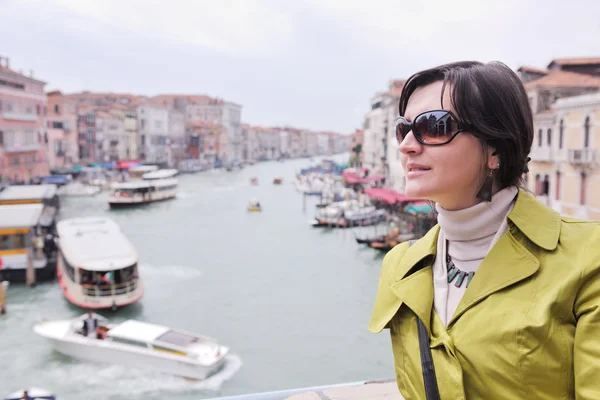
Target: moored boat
column 135, row 344
column 155, row 186
column 27, row 254
column 97, row 265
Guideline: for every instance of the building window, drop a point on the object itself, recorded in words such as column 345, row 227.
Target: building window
column 561, row 130
column 546, row 186
column 557, row 185
column 538, row 185
column 583, row 189
column 549, row 137
column 56, row 109
column 540, row 138
column 586, row 133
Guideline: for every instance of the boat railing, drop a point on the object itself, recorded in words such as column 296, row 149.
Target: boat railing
column 109, row 290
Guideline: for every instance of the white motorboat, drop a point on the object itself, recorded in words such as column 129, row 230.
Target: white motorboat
column 97, row 265
column 154, row 186
column 78, row 189
column 136, row 344
column 32, row 393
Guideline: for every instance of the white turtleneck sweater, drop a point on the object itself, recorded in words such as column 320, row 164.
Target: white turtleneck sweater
column 471, row 233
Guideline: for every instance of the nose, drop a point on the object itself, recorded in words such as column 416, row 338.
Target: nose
column 410, row 144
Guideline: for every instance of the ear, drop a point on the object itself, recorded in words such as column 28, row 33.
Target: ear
column 493, row 161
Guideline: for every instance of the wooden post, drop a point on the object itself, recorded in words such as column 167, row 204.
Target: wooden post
column 2, row 298
column 30, row 271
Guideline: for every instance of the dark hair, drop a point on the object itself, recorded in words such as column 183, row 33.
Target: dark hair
column 492, row 100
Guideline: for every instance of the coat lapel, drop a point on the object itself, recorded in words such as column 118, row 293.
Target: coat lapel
column 414, row 278
column 507, row 263
column 510, row 261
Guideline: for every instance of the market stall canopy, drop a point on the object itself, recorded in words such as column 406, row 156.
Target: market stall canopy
column 388, row 196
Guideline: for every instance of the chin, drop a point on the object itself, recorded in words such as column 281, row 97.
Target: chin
column 418, row 191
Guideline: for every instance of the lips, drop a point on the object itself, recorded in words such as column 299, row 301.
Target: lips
column 413, row 167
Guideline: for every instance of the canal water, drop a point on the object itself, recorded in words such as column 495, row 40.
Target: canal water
column 292, row 302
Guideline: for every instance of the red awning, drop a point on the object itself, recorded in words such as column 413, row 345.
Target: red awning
column 352, row 178
column 387, row 195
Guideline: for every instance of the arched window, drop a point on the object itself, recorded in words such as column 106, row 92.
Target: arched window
column 538, row 185
column 561, row 134
column 557, row 185
column 540, row 138
column 586, row 133
column 549, row 137
column 546, row 186
column 583, row 189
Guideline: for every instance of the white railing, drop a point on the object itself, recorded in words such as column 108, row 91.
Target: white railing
column 14, row 148
column 20, row 116
column 583, row 156
column 541, row 154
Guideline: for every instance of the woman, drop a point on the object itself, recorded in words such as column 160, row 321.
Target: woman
column 503, row 294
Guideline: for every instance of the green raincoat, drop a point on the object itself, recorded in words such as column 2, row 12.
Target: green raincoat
column 528, row 325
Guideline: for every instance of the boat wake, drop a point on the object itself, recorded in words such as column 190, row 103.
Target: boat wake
column 171, row 271
column 102, row 382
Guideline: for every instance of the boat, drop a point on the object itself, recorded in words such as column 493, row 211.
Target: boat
column 364, row 216
column 78, row 189
column 136, row 344
column 254, row 206
column 97, row 265
column 154, row 186
column 32, row 394
column 27, row 254
column 277, row 181
column 138, row 171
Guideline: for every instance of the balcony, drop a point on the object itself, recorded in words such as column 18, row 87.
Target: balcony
column 20, row 116
column 18, row 148
column 583, row 156
column 541, row 154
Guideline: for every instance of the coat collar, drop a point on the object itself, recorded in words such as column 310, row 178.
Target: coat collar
column 540, row 224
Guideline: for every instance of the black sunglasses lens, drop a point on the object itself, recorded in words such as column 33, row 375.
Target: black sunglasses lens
column 435, row 127
column 402, row 129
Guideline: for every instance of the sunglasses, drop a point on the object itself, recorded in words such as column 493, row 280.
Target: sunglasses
column 431, row 128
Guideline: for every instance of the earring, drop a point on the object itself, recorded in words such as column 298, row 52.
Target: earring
column 485, row 193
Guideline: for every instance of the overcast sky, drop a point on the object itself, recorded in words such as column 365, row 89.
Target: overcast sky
column 308, row 63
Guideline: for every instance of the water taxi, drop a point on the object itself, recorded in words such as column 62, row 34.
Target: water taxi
column 26, row 253
column 154, row 186
column 254, row 206
column 97, row 265
column 135, row 344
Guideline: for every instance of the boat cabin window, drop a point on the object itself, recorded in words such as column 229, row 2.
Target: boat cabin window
column 14, row 241
column 117, row 277
column 177, row 338
column 129, row 342
column 165, row 188
column 69, row 268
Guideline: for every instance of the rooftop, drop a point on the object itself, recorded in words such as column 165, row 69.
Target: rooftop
column 138, row 331
column 20, row 215
column 28, row 192
column 95, row 244
column 575, row 61
column 564, row 79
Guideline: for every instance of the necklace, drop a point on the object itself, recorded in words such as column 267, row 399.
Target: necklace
column 455, row 273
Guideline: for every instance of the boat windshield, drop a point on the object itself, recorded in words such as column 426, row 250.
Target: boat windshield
column 178, row 338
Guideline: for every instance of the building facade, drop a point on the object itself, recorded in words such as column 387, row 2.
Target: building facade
column 23, row 154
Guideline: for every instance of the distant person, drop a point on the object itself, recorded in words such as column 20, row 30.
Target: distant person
column 501, row 299
column 89, row 325
column 26, row 396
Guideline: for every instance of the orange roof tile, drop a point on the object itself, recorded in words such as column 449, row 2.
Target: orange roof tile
column 564, row 79
column 533, row 70
column 575, row 61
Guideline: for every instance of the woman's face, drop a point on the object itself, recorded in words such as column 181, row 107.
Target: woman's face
column 450, row 174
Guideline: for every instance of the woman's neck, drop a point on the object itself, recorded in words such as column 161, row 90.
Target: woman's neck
column 479, row 220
